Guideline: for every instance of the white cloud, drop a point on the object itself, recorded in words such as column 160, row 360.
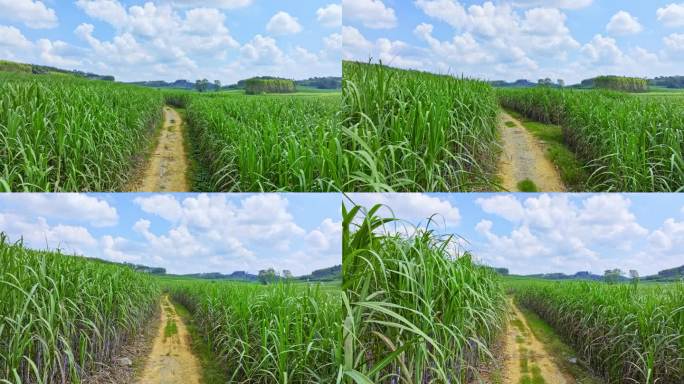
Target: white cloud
column 110, row 11
column 224, row 4
column 37, row 233
column 370, row 13
column 672, row 15
column 32, row 13
column 74, row 206
column 451, row 12
column 603, row 50
column 328, row 236
column 355, row 44
column 11, row 37
column 622, row 23
column 552, row 228
column 262, row 50
column 282, row 23
column 674, row 43
column 330, row 15
column 164, row 206
column 413, row 207
column 567, row 4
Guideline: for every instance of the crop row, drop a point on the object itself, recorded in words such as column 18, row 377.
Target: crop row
column 59, row 133
column 415, row 131
column 267, row 143
column 626, row 334
column 416, row 312
column 280, row 333
column 629, row 143
column 60, row 315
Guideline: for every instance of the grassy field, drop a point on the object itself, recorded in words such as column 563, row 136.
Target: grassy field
column 61, row 315
column 415, row 131
column 265, row 142
column 414, row 312
column 626, row 333
column 279, row 333
column 627, row 143
column 61, row 133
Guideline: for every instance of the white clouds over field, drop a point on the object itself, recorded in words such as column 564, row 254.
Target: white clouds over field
column 183, row 233
column 544, row 233
column 170, row 39
column 512, row 39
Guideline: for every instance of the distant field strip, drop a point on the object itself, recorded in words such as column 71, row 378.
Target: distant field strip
column 280, row 333
column 415, row 131
column 266, row 142
column 61, row 315
column 59, row 133
column 414, row 312
column 626, row 334
column 629, row 143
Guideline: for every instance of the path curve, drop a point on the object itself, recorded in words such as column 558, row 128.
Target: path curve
column 523, row 158
column 171, row 360
column 520, row 343
column 167, row 168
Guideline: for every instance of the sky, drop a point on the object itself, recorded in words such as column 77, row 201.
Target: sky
column 183, row 232
column 547, row 233
column 519, row 39
column 224, row 40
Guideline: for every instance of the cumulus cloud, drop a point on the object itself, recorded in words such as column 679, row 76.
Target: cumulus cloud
column 370, row 13
column 32, row 13
column 671, row 15
column 78, row 207
column 603, row 50
column 282, row 23
column 551, row 232
column 622, row 23
column 330, row 15
column 567, row 4
column 414, row 207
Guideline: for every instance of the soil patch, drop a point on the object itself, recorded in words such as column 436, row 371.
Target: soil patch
column 523, row 159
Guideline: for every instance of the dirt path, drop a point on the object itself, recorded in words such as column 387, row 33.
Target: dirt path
column 171, row 360
column 523, row 158
column 166, row 170
column 526, row 360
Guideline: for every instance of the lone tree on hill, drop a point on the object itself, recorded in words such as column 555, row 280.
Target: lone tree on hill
column 202, row 85
column 217, row 83
column 267, row 276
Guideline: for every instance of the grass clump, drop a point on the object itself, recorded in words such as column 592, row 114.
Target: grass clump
column 415, row 313
column 527, row 185
column 415, row 131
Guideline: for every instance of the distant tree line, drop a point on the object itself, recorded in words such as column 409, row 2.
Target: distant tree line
column 257, row 86
column 617, row 83
column 668, row 81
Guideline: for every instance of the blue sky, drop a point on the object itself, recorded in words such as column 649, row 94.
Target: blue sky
column 226, row 40
column 513, row 39
column 544, row 233
column 184, row 233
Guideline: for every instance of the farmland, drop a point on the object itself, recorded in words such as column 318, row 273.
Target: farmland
column 60, row 316
column 627, row 143
column 62, row 133
column 415, row 131
column 265, row 142
column 63, row 317
column 414, row 313
column 625, row 333
column 280, row 333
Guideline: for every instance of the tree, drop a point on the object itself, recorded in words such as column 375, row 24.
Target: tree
column 561, row 83
column 634, row 274
column 287, row 274
column 612, row 276
column 202, row 85
column 267, row 276
column 217, row 83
